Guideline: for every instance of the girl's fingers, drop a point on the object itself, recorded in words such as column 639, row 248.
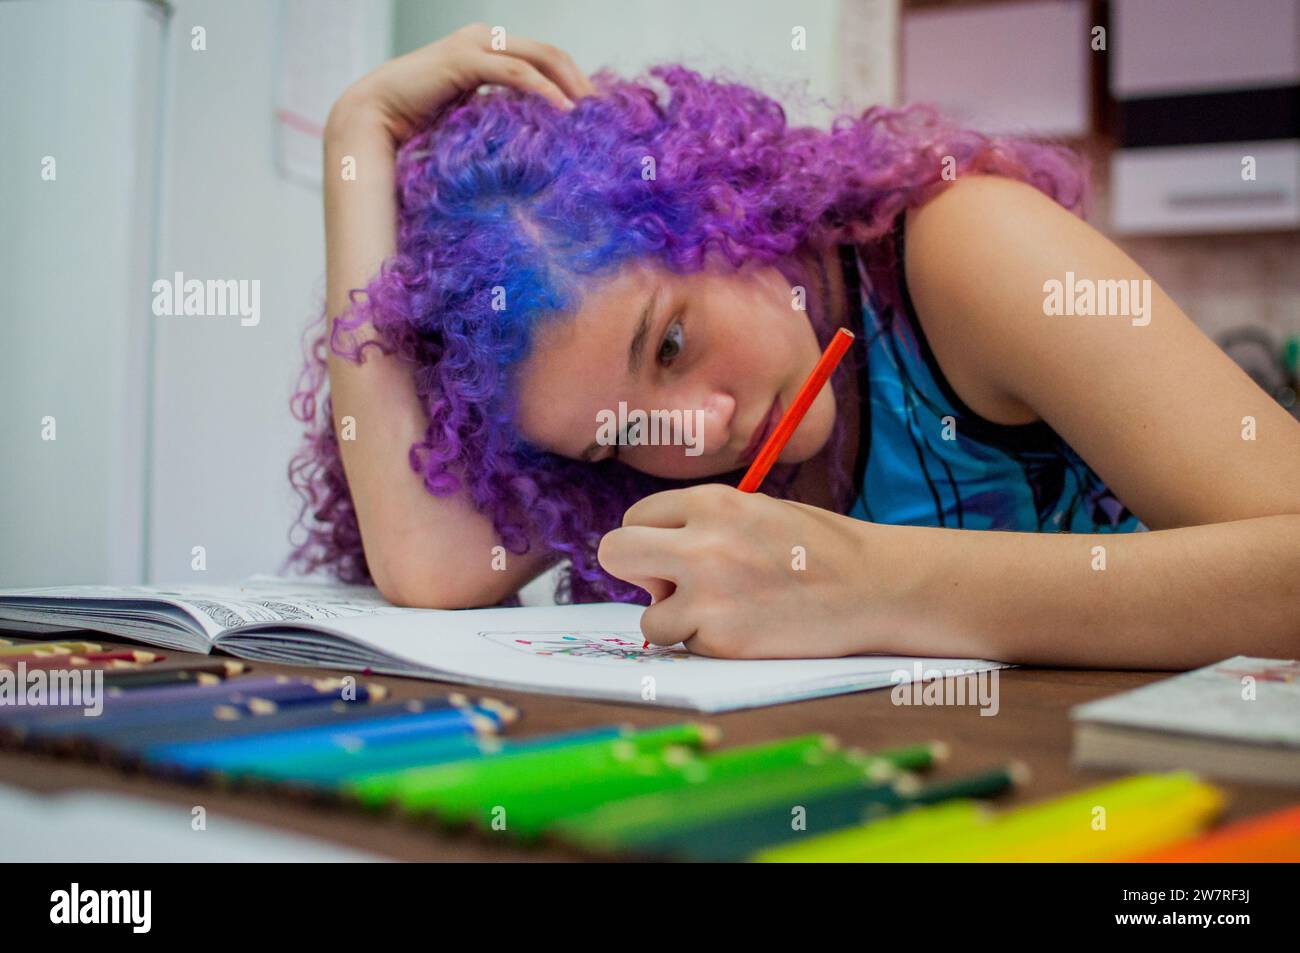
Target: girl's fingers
column 554, row 63
column 507, row 70
column 659, row 589
column 666, row 623
column 639, row 554
column 666, row 509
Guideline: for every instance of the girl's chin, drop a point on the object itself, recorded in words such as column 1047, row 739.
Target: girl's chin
column 802, row 450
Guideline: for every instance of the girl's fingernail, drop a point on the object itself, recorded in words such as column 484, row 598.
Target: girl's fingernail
column 569, row 103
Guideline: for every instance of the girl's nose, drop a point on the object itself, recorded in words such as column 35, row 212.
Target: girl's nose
column 717, row 412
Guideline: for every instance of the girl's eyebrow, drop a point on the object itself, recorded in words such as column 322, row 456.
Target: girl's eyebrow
column 636, row 349
column 635, row 353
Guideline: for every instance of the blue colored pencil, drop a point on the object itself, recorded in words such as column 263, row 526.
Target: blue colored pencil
column 136, row 739
column 118, row 700
column 233, row 705
column 217, row 755
column 336, row 764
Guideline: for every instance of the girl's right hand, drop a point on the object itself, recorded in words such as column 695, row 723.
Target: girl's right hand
column 405, row 92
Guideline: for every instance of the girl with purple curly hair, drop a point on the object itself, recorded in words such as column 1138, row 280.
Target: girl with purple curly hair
column 510, row 271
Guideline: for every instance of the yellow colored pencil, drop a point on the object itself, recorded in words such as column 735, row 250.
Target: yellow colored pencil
column 1094, row 813
column 50, row 648
column 864, row 843
column 1108, row 821
column 1128, row 830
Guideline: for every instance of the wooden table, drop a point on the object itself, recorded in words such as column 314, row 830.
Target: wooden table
column 1031, row 726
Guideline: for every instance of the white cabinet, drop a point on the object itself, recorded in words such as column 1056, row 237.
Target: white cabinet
column 1006, row 68
column 1208, row 101
column 1184, row 189
column 1184, row 46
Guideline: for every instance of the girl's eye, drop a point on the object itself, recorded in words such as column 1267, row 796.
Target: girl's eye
column 672, row 344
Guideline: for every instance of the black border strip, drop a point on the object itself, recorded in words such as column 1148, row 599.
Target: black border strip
column 1239, row 115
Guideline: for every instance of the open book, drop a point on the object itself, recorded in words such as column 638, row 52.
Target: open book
column 591, row 651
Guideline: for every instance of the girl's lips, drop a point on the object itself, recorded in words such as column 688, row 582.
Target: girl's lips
column 762, row 430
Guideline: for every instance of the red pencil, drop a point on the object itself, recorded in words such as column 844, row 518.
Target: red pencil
column 794, row 414
column 779, row 437
column 89, row 660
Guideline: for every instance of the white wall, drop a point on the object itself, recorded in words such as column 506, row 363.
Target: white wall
column 222, row 432
column 171, row 432
column 749, row 38
column 81, row 85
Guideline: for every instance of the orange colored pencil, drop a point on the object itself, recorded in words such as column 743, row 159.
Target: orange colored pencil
column 779, row 437
column 1273, row 837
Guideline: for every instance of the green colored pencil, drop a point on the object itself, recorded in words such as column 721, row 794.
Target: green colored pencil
column 736, row 836
column 333, row 767
column 422, row 788
column 928, row 823
column 529, row 809
column 644, row 819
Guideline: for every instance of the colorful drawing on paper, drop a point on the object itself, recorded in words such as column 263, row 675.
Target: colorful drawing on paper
column 613, row 647
column 1266, row 671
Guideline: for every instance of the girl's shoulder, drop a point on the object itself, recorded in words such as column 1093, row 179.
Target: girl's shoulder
column 964, row 307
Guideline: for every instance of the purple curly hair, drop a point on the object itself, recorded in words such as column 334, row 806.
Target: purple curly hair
column 504, row 191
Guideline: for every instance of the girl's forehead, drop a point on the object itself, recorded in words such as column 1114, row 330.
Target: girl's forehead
column 608, row 307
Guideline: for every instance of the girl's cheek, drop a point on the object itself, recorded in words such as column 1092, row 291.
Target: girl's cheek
column 665, row 461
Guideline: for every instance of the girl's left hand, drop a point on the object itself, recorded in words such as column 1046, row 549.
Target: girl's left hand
column 743, row 575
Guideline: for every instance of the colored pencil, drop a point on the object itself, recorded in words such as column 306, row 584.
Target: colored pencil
column 178, row 718
column 1272, row 838
column 147, row 741
column 794, row 414
column 927, row 823
column 730, row 821
column 89, row 661
column 1141, row 827
column 45, row 649
column 471, row 782
column 239, row 705
column 643, row 818
column 532, row 807
column 1142, row 811
column 157, row 676
column 264, row 686
column 532, row 802
column 369, row 756
column 174, row 705
column 222, row 755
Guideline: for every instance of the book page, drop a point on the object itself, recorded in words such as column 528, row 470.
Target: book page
column 214, row 608
column 593, row 651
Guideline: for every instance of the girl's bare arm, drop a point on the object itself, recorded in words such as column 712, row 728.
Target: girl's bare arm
column 422, row 550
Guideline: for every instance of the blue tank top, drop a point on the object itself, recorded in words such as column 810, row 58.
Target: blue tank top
column 926, row 459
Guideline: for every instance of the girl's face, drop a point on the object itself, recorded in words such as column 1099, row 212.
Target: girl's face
column 726, row 350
